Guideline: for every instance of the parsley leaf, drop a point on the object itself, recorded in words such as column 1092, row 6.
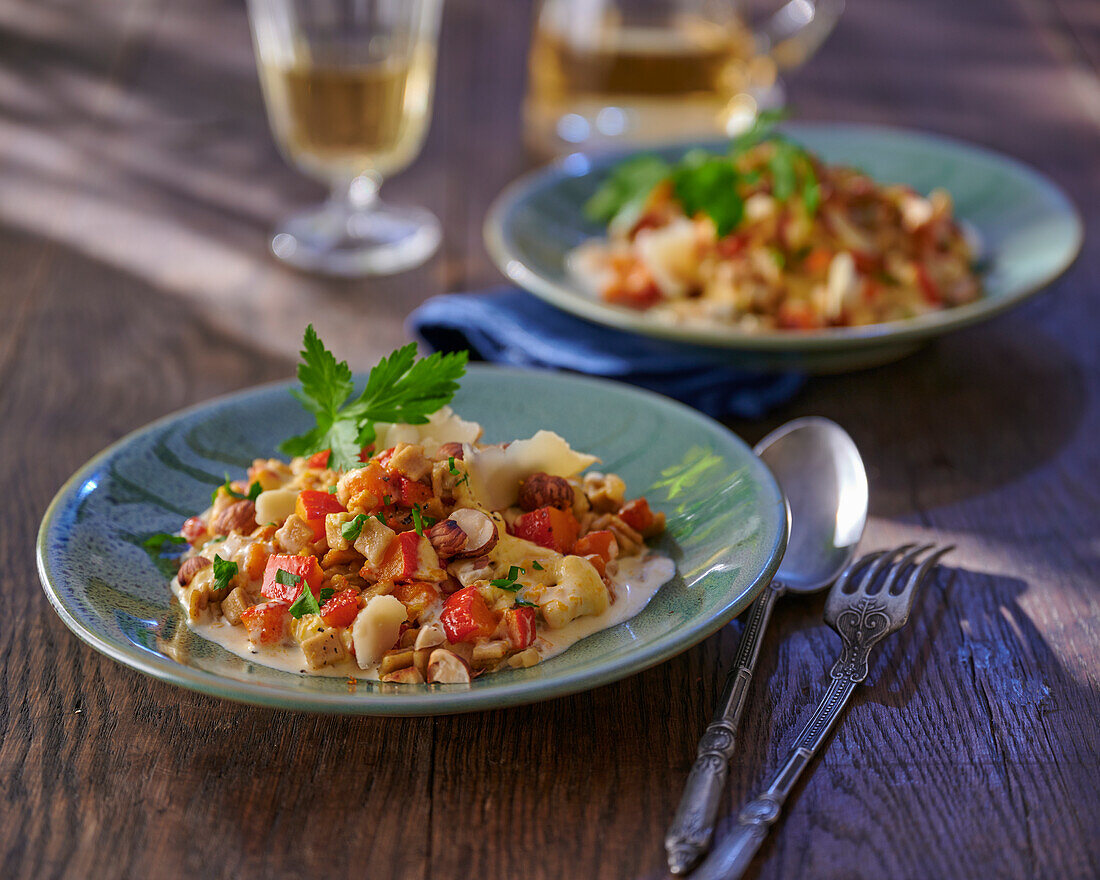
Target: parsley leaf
column 325, row 594
column 509, row 583
column 451, row 467
column 400, row 388
column 253, row 491
column 535, row 565
column 287, row 578
column 626, row 188
column 709, row 185
column 353, row 527
column 155, row 542
column 305, row 603
column 523, row 603
column 224, row 571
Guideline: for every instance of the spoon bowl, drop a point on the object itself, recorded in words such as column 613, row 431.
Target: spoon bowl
column 820, row 471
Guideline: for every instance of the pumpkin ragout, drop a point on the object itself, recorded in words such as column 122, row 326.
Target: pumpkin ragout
column 439, row 559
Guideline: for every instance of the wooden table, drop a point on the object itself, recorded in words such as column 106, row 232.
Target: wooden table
column 137, row 185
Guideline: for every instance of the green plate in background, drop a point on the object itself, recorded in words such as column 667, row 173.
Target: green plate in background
column 727, row 531
column 1030, row 232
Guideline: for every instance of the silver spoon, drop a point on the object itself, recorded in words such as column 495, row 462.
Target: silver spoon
column 820, row 471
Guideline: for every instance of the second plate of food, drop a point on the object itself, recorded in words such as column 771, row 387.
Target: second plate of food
column 101, row 539
column 1021, row 232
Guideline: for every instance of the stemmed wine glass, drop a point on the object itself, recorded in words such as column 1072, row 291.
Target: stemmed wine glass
column 348, row 87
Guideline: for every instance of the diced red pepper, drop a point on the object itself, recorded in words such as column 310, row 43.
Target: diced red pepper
column 417, row 596
column 319, row 460
column 731, row 245
column 402, row 558
column 466, row 617
column 519, row 623
column 928, row 287
column 411, row 492
column 194, row 530
column 304, row 566
column 341, row 609
column 549, row 527
column 313, row 506
column 267, row 623
column 637, row 514
column 598, row 543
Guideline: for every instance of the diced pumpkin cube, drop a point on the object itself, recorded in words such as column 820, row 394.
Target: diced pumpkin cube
column 341, row 609
column 601, row 543
column 267, row 623
column 417, row 596
column 549, row 527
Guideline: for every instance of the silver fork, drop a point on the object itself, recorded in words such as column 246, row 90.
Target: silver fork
column 862, row 619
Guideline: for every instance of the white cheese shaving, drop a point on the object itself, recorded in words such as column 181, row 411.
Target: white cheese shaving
column 442, row 427
column 495, row 473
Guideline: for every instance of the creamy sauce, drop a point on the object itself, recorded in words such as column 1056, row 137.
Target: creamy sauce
column 635, row 583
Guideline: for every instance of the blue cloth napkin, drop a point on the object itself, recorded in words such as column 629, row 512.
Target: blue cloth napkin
column 508, row 326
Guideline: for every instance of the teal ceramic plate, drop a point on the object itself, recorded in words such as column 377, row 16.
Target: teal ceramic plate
column 1030, row 231
column 727, row 531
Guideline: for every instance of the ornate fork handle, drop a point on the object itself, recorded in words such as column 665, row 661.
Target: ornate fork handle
column 689, row 835
column 734, row 853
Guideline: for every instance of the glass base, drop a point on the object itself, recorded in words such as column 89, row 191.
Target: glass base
column 380, row 239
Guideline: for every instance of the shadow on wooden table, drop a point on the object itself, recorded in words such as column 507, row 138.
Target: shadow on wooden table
column 956, row 726
column 947, row 413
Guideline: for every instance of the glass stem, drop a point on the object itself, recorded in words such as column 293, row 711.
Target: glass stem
column 359, row 195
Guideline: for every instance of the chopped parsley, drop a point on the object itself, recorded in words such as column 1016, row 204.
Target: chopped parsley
column 451, row 466
column 509, row 583
column 400, row 388
column 421, row 520
column 325, row 594
column 523, row 603
column 332, row 490
column 535, row 565
column 224, row 572
column 353, row 527
column 387, row 500
column 305, row 603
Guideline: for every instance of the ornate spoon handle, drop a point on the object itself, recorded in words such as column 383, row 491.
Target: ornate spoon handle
column 689, row 835
column 733, row 854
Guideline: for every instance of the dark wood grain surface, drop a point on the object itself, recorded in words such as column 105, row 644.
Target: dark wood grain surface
column 137, row 184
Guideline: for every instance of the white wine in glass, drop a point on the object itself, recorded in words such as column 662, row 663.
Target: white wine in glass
column 348, row 86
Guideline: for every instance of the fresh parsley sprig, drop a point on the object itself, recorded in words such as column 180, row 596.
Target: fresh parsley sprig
column 708, row 183
column 400, row 388
column 155, row 543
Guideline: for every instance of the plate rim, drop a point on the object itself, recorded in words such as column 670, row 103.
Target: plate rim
column 571, row 300
column 506, row 696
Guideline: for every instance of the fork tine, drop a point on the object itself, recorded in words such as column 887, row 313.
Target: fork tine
column 842, row 582
column 875, row 570
column 920, row 575
column 902, row 564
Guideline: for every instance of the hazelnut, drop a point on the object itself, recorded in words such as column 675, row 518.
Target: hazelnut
column 446, row 667
column 543, row 490
column 447, row 538
column 451, row 450
column 479, row 528
column 240, row 516
column 190, row 568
